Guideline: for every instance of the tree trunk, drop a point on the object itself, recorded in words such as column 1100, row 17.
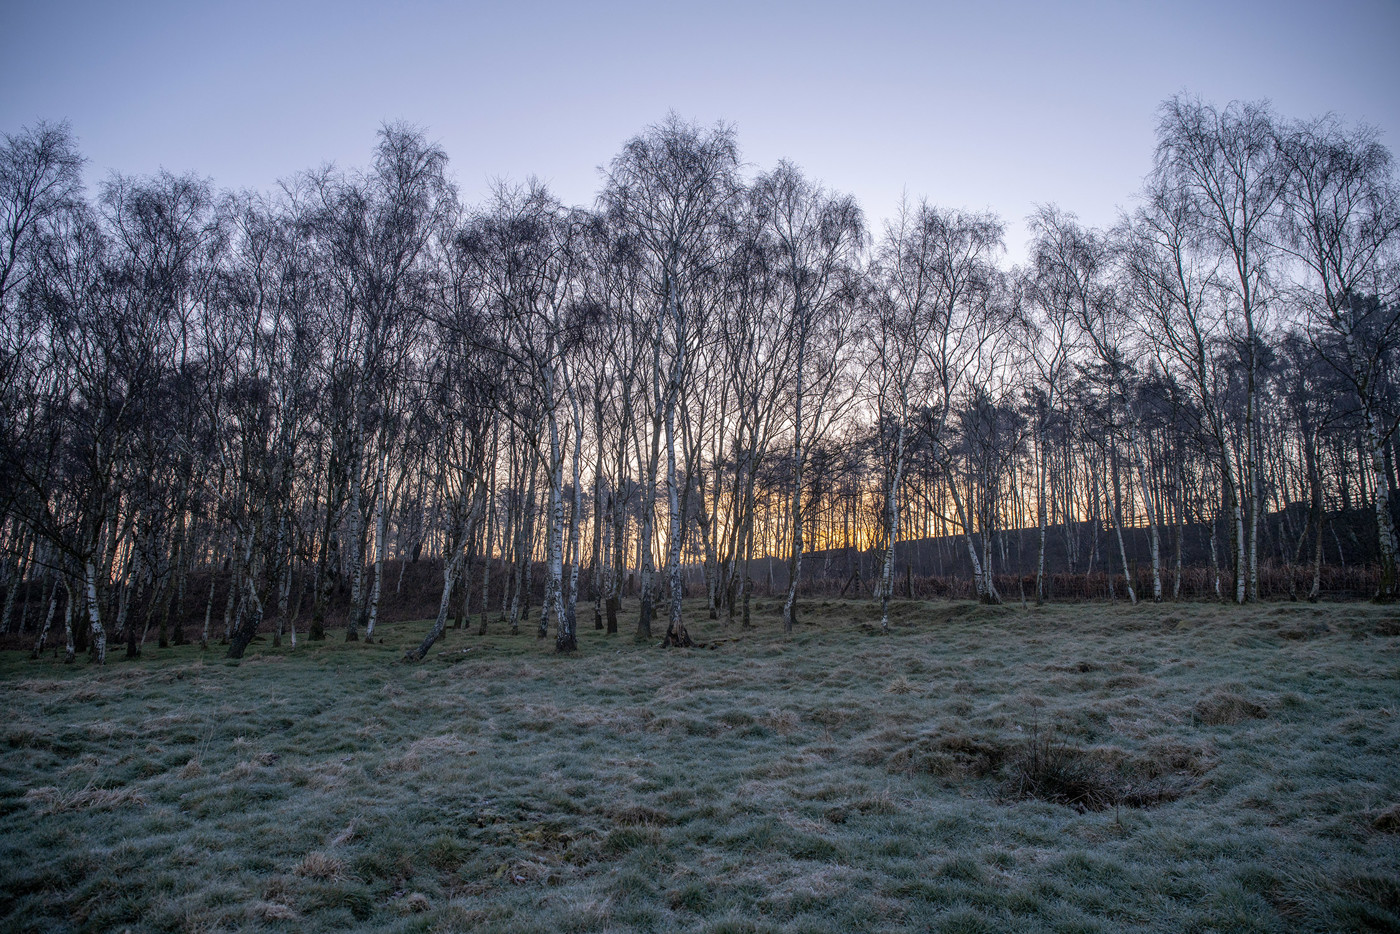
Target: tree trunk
column 891, row 528
column 676, row 634
column 450, row 572
column 1042, row 467
column 252, row 619
column 380, row 523
column 48, row 621
column 99, row 633
column 357, row 553
column 1385, row 521
column 567, row 640
column 795, row 559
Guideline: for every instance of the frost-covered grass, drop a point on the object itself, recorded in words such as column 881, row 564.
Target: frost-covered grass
column 1077, row 768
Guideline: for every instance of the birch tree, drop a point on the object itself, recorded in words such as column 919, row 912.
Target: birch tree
column 816, row 239
column 938, row 282
column 1225, row 164
column 671, row 189
column 1341, row 222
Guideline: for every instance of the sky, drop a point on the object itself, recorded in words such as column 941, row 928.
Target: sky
column 993, row 105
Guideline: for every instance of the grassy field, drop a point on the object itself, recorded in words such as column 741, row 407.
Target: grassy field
column 1078, row 768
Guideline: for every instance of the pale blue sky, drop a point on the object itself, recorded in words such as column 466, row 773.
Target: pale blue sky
column 996, row 105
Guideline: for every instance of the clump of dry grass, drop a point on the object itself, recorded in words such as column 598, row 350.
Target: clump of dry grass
column 949, row 754
column 1305, row 632
column 782, row 722
column 1166, row 756
column 322, row 866
column 240, row 771
column 408, row 762
column 526, row 871
column 42, row 685
column 413, row 903
column 1385, row 628
column 637, row 815
column 272, row 911
column 51, row 800
column 1222, row 708
column 1388, row 820
column 1095, row 779
column 1061, row 774
column 423, row 751
column 899, row 685
column 191, row 769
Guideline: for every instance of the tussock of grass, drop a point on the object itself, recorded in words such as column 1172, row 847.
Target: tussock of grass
column 413, row 903
column 1387, row 820
column 1226, row 707
column 321, row 866
column 1196, row 770
column 640, row 815
column 271, row 911
column 900, row 685
column 50, row 800
column 949, row 754
column 1089, row 779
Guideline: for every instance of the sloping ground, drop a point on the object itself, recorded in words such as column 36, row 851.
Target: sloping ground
column 1078, row 768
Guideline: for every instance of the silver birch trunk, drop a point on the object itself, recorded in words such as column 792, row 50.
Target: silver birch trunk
column 1385, row 523
column 676, row 633
column 795, row 560
column 486, row 538
column 1117, row 510
column 981, row 580
column 553, row 585
column 891, row 528
column 648, row 525
column 1148, row 504
column 568, row 640
column 48, row 621
column 1042, row 468
column 599, row 551
column 208, row 611
column 99, row 633
column 380, row 521
column 450, row 572
column 69, row 608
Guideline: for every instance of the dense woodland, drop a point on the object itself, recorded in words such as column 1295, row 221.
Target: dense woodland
column 230, row 412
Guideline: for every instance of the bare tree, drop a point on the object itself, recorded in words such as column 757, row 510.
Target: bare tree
column 816, row 238
column 1224, row 165
column 671, row 189
column 1051, row 346
column 1341, row 221
column 39, row 178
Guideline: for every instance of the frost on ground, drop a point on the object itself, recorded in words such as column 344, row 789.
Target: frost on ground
column 1078, row 767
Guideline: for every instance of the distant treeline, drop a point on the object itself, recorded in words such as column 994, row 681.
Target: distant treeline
column 221, row 411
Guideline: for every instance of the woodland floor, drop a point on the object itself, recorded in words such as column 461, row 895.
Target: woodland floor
column 1077, row 768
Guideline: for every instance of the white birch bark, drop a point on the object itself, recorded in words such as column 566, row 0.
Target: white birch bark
column 99, row 633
